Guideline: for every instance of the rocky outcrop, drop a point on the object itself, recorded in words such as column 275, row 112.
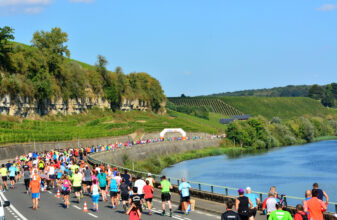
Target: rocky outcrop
column 137, row 104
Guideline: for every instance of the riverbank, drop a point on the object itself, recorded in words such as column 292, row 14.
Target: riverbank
column 155, row 163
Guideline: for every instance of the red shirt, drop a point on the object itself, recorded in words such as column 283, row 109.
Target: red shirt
column 148, row 191
column 133, row 215
column 299, row 216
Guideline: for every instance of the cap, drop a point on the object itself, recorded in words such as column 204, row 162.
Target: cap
column 149, row 174
column 115, row 168
column 241, row 190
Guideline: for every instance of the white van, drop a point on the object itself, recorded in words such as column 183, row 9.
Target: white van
column 2, row 211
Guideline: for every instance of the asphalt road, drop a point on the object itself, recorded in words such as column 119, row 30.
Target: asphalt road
column 51, row 208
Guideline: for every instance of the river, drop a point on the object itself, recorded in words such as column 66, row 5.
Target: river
column 291, row 169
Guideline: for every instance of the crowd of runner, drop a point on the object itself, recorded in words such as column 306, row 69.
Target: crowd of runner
column 67, row 172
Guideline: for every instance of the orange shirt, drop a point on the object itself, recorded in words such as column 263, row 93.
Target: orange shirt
column 315, row 207
column 35, row 186
column 36, row 177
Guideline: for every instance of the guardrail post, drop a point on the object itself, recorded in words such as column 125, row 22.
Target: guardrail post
column 199, row 186
column 226, row 191
column 336, row 208
column 169, row 179
column 261, row 197
column 212, row 189
column 178, row 182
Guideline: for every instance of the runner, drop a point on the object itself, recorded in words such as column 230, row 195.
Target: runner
column 134, row 212
column 113, row 192
column 148, row 195
column 255, row 200
column 26, row 176
column 315, row 206
column 87, row 180
column 4, row 173
column 300, row 214
column 102, row 184
column 124, row 188
column 269, row 204
column 66, row 189
column 127, row 177
column 279, row 214
column 230, row 214
column 35, row 187
column 150, row 179
column 77, row 184
column 321, row 193
column 139, row 183
column 242, row 204
column 184, row 189
column 307, row 197
column 135, row 200
column 165, row 187
column 12, row 170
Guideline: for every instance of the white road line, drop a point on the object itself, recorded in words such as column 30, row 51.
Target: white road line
column 13, row 208
column 49, row 192
column 93, row 215
column 75, row 206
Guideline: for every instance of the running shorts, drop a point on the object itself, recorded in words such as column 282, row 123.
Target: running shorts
column 103, row 188
column 4, row 178
column 77, row 188
column 113, row 194
column 17, row 173
column 88, row 183
column 185, row 199
column 95, row 198
column 12, row 178
column 35, row 195
column 65, row 192
column 125, row 197
column 165, row 197
column 52, row 177
column 148, row 200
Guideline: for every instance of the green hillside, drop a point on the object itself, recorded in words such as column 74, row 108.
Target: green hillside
column 283, row 107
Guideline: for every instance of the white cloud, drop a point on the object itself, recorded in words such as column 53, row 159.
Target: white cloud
column 33, row 10
column 327, row 7
column 81, row 1
column 23, row 2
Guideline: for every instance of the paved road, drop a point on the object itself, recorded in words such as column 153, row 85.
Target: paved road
column 51, row 208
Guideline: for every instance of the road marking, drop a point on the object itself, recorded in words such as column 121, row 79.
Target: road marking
column 75, row 206
column 13, row 208
column 93, row 215
column 49, row 192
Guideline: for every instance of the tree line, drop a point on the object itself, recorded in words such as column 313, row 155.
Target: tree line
column 327, row 94
column 44, row 71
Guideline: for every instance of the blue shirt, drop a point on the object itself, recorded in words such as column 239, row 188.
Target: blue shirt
column 101, row 179
column 184, row 187
column 252, row 198
column 113, row 186
column 12, row 170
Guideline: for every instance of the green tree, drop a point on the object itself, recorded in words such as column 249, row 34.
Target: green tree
column 6, row 34
column 316, row 92
column 306, row 129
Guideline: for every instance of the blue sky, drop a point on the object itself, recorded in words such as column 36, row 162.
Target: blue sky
column 191, row 46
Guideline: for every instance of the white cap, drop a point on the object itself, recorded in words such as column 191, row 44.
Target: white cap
column 248, row 188
column 149, row 174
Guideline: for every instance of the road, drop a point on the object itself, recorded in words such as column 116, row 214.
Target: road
column 52, row 208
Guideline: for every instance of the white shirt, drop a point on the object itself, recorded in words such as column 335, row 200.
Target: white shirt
column 140, row 184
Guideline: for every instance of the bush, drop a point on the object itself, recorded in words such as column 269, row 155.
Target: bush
column 290, row 140
column 275, row 120
column 259, row 144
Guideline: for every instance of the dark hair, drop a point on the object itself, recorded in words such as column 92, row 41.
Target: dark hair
column 229, row 204
column 163, row 177
column 299, row 207
column 147, row 182
column 278, row 205
column 135, row 189
column 314, row 193
column 241, row 193
column 315, row 185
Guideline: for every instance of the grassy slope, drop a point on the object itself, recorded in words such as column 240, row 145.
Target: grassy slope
column 283, row 107
column 97, row 123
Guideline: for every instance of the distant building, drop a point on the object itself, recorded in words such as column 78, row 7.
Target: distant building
column 236, row 117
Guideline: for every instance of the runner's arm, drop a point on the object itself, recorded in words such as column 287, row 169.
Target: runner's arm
column 237, row 202
column 250, row 203
column 326, row 196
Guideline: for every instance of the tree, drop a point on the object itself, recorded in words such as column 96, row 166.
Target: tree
column 101, row 69
column 316, row 92
column 6, row 34
column 328, row 100
column 334, row 90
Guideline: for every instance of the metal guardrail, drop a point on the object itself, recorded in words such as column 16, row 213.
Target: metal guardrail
column 197, row 185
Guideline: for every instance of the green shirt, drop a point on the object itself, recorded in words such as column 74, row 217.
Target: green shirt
column 280, row 215
column 3, row 171
column 77, row 180
column 165, row 186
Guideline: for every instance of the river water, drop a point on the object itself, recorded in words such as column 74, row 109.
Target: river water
column 291, row 169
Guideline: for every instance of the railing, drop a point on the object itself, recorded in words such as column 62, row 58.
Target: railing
column 228, row 191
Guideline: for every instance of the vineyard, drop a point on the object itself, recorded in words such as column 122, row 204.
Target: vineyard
column 214, row 104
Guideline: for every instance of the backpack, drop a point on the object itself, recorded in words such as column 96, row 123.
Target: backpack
column 304, row 217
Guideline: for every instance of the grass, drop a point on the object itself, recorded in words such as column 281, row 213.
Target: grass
column 98, row 123
column 283, row 107
column 325, row 138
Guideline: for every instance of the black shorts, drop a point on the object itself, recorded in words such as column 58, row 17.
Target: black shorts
column 52, row 177
column 185, row 199
column 148, row 200
column 17, row 173
column 141, row 196
column 4, row 178
column 77, row 188
column 65, row 192
column 41, row 168
column 103, row 188
column 12, row 178
column 125, row 197
column 165, row 197
column 253, row 212
column 88, row 183
column 113, row 194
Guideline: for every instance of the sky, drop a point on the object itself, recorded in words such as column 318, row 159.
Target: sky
column 193, row 47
